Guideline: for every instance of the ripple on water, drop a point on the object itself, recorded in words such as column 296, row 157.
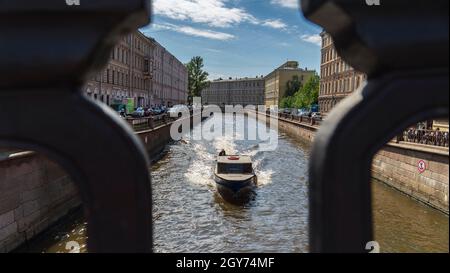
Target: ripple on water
column 197, row 219
column 190, row 216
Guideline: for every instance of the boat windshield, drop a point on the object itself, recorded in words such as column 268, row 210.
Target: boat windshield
column 235, row 168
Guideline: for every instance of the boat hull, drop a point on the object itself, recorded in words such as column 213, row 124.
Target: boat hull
column 236, row 192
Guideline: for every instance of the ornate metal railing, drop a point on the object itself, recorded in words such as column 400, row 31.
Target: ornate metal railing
column 147, row 123
column 311, row 121
column 427, row 137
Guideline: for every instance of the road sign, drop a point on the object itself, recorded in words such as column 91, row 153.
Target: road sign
column 422, row 166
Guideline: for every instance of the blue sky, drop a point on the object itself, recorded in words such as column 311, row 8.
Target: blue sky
column 236, row 38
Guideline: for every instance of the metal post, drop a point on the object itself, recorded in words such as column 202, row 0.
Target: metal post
column 102, row 155
column 407, row 83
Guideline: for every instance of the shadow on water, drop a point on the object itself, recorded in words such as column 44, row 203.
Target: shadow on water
column 58, row 237
column 406, row 225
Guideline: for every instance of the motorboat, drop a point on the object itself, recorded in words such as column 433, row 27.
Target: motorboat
column 235, row 178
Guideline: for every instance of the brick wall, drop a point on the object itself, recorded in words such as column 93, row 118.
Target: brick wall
column 34, row 194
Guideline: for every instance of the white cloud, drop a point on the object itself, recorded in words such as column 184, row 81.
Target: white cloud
column 292, row 4
column 204, row 33
column 211, row 12
column 314, row 39
column 275, row 23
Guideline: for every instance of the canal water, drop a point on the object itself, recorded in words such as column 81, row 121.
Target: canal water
column 189, row 215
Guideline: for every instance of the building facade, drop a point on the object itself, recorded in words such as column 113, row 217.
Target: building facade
column 441, row 125
column 246, row 91
column 337, row 78
column 141, row 69
column 276, row 81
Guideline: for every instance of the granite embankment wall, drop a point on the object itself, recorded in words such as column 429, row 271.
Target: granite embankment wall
column 397, row 165
column 35, row 192
column 155, row 140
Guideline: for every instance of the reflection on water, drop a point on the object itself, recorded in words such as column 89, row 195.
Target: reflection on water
column 405, row 225
column 58, row 238
column 189, row 215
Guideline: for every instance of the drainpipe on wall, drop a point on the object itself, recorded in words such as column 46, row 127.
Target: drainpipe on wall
column 130, row 83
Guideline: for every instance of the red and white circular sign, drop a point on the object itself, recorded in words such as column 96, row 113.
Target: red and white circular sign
column 422, row 166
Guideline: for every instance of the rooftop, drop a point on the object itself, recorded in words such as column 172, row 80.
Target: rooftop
column 291, row 66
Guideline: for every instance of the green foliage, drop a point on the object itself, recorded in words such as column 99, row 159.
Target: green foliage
column 198, row 79
column 286, row 102
column 305, row 96
column 292, row 86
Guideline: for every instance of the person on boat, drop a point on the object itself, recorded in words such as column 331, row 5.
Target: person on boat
column 222, row 153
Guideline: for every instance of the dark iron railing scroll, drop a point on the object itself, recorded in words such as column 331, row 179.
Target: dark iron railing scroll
column 47, row 50
column 403, row 48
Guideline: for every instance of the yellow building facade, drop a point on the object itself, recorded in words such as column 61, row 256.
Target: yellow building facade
column 441, row 125
column 276, row 81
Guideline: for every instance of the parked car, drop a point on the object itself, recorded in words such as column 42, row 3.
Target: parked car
column 155, row 110
column 122, row 112
column 304, row 113
column 176, row 111
column 138, row 113
column 148, row 112
column 316, row 115
column 315, row 108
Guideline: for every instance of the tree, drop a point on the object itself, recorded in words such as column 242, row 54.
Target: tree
column 198, row 79
column 292, row 86
column 308, row 94
column 286, row 102
column 304, row 96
